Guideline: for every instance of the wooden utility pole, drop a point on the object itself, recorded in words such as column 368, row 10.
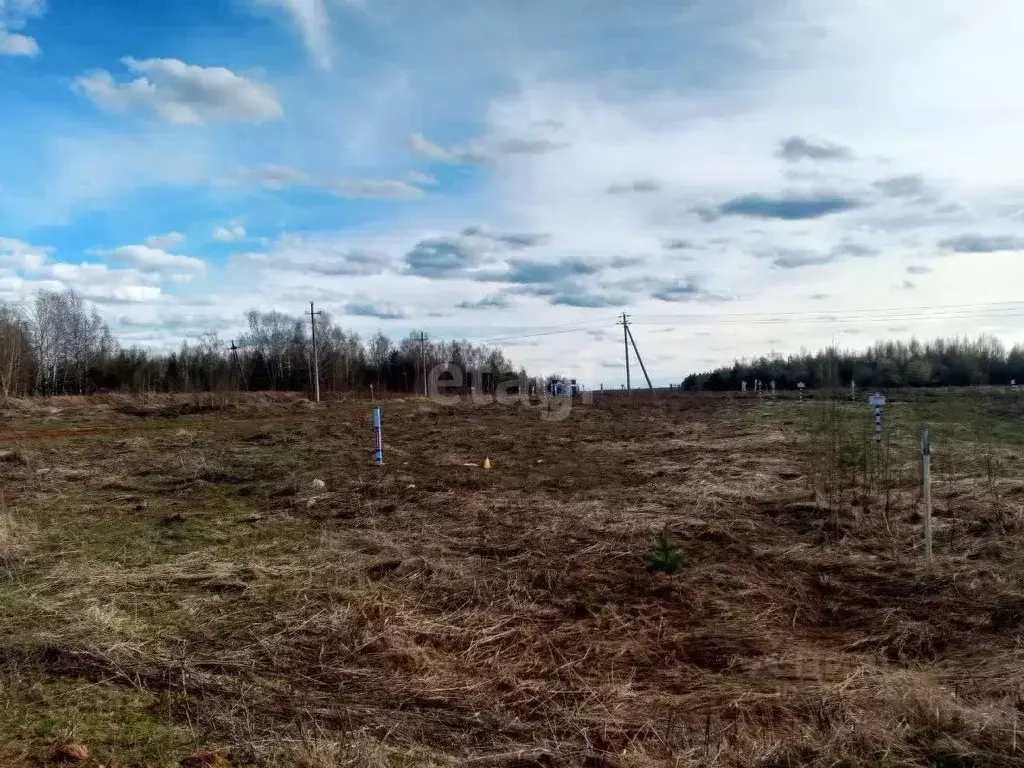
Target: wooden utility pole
column 423, row 361
column 625, row 344
column 316, row 354
column 238, row 364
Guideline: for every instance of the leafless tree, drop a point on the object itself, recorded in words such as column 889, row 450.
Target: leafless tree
column 378, row 354
column 274, row 336
column 13, row 343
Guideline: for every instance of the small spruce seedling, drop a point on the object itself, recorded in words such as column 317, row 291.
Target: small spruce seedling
column 664, row 555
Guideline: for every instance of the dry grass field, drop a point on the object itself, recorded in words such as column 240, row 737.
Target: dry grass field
column 176, row 590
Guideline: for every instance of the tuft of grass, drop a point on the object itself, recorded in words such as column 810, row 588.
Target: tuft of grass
column 46, row 727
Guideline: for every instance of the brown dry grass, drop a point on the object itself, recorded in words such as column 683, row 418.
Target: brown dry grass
column 432, row 613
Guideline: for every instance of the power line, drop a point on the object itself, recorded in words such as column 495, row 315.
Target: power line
column 822, row 317
column 862, row 315
column 545, row 331
column 987, row 306
column 835, row 317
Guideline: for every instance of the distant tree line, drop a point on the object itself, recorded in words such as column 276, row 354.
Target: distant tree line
column 956, row 362
column 58, row 344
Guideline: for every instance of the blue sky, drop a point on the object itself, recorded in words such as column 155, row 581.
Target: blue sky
column 739, row 175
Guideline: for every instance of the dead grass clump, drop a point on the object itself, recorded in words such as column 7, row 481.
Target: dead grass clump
column 315, row 748
column 92, row 403
column 17, row 537
column 17, row 403
column 16, row 457
column 906, row 641
column 171, row 406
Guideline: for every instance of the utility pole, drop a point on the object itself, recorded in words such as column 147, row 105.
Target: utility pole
column 238, row 364
column 641, row 361
column 423, row 361
column 316, row 355
column 625, row 344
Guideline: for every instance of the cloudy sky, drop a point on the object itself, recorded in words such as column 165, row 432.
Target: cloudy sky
column 738, row 175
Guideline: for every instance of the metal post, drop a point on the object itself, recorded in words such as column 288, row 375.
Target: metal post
column 926, row 476
column 379, row 450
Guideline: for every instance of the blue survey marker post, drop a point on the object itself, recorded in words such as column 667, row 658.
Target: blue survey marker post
column 378, row 454
column 877, row 401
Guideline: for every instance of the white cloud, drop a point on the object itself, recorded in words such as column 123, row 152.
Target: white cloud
column 483, row 152
column 165, row 242
column 123, row 294
column 99, row 282
column 275, row 177
column 14, row 14
column 16, row 287
column 374, row 188
column 420, row 178
column 78, row 275
column 17, row 254
column 182, row 94
column 16, row 44
column 469, row 155
column 280, row 177
column 311, row 17
column 153, row 258
column 11, row 11
column 321, row 256
column 229, row 233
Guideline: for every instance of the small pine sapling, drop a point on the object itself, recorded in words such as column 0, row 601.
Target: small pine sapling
column 664, row 555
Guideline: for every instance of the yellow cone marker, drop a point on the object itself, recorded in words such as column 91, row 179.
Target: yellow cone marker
column 487, row 463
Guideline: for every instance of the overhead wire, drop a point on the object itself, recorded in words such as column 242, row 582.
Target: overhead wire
column 838, row 319
column 932, row 312
column 862, row 309
column 534, row 331
column 817, row 317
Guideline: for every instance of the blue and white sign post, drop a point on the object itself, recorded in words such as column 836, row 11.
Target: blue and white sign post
column 379, row 452
column 877, row 401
